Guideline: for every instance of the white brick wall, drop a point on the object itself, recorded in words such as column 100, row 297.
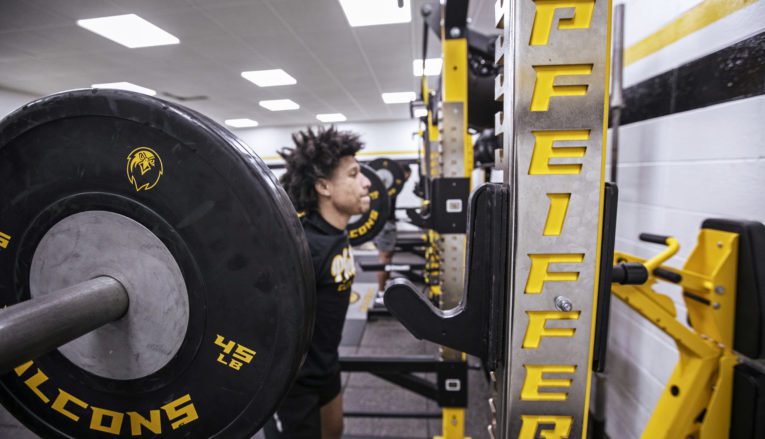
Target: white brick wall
column 386, row 137
column 674, row 172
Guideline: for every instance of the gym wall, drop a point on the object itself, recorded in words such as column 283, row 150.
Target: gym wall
column 692, row 147
column 392, row 139
column 10, row 100
column 406, row 198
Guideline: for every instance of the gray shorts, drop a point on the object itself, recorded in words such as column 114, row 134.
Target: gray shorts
column 386, row 240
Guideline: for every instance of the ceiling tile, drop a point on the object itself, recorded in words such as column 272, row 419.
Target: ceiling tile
column 186, row 23
column 338, row 68
column 9, row 51
column 307, row 16
column 19, row 15
column 251, row 18
column 75, row 10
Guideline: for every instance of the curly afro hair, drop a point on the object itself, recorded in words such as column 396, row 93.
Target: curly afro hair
column 316, row 155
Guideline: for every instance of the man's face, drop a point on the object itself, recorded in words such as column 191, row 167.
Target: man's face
column 349, row 188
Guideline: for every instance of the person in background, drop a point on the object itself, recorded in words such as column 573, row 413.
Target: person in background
column 386, row 240
column 325, row 183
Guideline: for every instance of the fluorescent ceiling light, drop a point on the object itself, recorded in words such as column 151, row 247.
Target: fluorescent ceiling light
column 241, row 123
column 374, row 12
column 398, row 98
column 126, row 86
column 269, row 78
column 129, row 30
column 432, row 66
column 420, row 112
column 279, row 105
column 332, row 117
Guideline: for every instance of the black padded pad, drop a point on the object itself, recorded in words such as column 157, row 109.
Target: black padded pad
column 749, row 335
column 748, row 404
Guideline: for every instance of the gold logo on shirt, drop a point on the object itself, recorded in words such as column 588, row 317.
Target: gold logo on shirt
column 343, row 269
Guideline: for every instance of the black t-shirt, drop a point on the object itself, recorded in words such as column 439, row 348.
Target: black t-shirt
column 335, row 269
column 392, row 215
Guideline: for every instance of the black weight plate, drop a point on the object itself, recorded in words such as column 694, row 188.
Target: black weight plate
column 484, row 147
column 383, row 165
column 221, row 214
column 365, row 227
column 481, row 104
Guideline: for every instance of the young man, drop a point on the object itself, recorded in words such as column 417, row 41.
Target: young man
column 386, row 241
column 325, row 183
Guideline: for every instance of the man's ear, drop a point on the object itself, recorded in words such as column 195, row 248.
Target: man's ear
column 322, row 187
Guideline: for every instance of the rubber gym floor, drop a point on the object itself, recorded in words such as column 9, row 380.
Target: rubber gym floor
column 365, row 392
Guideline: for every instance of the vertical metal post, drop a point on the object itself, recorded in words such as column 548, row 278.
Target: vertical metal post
column 617, row 89
column 554, row 86
column 456, row 163
column 598, row 399
column 456, row 145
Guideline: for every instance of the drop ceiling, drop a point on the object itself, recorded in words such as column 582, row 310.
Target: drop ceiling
column 339, row 69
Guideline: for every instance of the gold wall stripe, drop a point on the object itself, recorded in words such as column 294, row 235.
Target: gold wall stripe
column 696, row 18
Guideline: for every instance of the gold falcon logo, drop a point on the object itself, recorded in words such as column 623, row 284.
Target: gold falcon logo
column 144, row 168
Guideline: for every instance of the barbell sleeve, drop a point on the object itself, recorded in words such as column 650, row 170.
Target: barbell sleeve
column 34, row 327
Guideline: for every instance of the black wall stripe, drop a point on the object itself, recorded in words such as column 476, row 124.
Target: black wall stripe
column 736, row 72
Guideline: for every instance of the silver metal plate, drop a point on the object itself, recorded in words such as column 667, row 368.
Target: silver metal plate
column 435, row 159
column 452, row 250
column 452, row 246
column 453, row 140
column 537, row 413
column 98, row 243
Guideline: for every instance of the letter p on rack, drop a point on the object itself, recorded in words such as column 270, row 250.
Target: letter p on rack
column 545, row 15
